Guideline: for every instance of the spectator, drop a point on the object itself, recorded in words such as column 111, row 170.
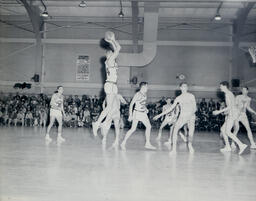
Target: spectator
column 87, row 117
column 36, row 118
column 67, row 120
column 28, row 119
column 77, row 101
column 20, row 118
column 73, row 120
column 43, row 116
column 80, row 119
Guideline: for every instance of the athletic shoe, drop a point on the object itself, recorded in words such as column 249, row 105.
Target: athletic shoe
column 150, row 146
column 47, row 138
column 253, row 146
column 115, row 145
column 226, row 149
column 168, row 144
column 123, row 146
column 60, row 139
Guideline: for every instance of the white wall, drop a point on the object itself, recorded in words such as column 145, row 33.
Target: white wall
column 203, row 66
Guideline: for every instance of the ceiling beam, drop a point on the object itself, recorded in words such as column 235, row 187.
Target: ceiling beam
column 167, row 20
column 16, row 26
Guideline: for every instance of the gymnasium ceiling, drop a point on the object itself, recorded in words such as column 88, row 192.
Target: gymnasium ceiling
column 178, row 14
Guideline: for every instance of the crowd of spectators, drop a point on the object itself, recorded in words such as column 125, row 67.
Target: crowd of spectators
column 33, row 110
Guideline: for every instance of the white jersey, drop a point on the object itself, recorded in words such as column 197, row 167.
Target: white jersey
column 111, row 72
column 140, row 104
column 231, row 102
column 187, row 103
column 242, row 103
column 56, row 102
column 173, row 113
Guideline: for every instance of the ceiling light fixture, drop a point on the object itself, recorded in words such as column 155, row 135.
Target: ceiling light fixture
column 218, row 16
column 45, row 13
column 82, row 4
column 121, row 14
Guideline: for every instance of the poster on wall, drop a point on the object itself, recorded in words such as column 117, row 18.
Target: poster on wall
column 83, row 68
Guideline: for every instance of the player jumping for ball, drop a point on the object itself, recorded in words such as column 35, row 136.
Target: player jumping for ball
column 110, row 86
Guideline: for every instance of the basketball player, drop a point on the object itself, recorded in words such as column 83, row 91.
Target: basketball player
column 231, row 118
column 113, row 115
column 110, row 86
column 170, row 119
column 56, row 112
column 139, row 114
column 187, row 104
column 243, row 103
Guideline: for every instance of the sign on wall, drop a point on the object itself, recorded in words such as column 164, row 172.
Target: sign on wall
column 83, row 68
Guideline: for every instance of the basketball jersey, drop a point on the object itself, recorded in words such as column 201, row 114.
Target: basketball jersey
column 56, row 102
column 233, row 107
column 140, row 104
column 111, row 72
column 174, row 112
column 166, row 107
column 242, row 103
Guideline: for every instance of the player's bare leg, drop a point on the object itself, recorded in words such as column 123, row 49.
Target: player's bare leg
column 244, row 120
column 164, row 123
column 129, row 133
column 185, row 135
column 60, row 138
column 227, row 147
column 104, row 113
column 191, row 130
column 228, row 132
column 47, row 136
column 147, row 124
column 105, row 126
column 176, row 129
column 117, row 131
column 236, row 129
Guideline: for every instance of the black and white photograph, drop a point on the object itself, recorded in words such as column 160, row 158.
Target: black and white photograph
column 127, row 100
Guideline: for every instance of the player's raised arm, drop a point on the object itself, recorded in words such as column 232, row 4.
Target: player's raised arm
column 116, row 47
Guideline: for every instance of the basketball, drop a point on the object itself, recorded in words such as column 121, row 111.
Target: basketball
column 109, row 35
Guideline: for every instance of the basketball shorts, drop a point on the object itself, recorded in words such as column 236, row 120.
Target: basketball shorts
column 140, row 116
column 55, row 113
column 110, row 88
